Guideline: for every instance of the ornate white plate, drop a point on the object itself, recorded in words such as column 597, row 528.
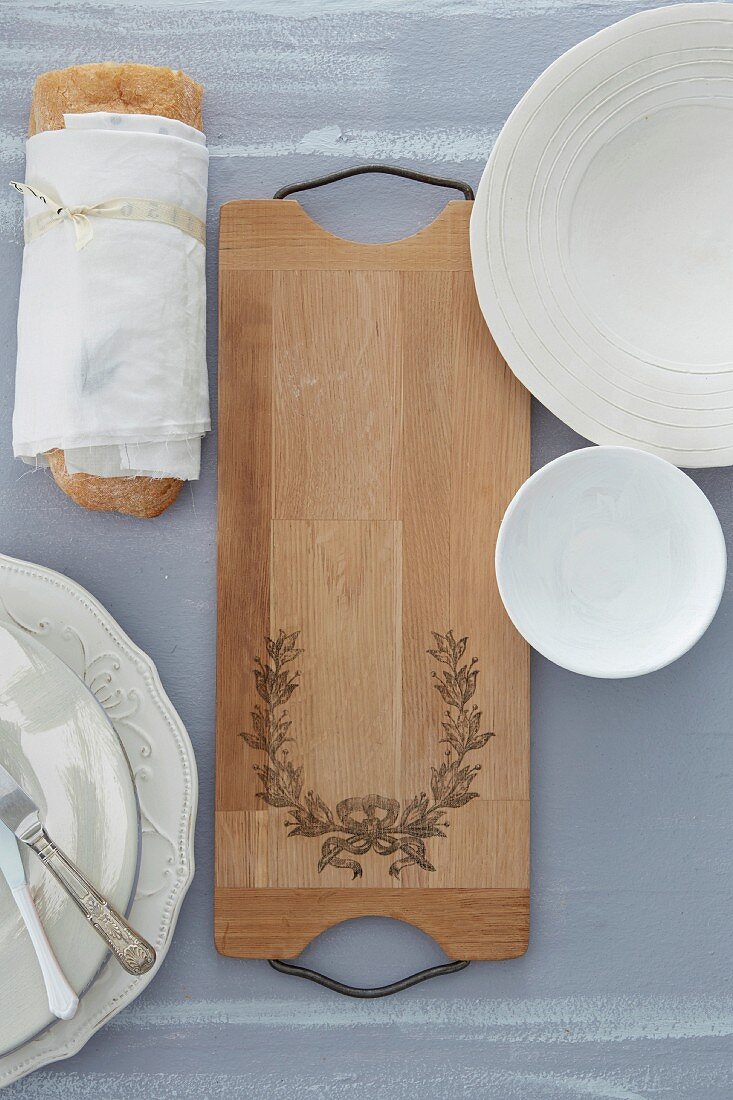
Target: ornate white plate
column 602, row 241
column 71, row 623
column 56, row 740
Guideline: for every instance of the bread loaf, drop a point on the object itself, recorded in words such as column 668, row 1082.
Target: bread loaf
column 124, row 89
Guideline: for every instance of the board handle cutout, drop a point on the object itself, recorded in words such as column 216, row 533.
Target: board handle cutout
column 366, row 993
column 382, row 169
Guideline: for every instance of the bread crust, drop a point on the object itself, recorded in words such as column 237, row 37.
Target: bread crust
column 144, row 497
column 125, row 89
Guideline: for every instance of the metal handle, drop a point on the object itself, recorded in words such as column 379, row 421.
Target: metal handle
column 383, row 169
column 132, row 952
column 362, row 992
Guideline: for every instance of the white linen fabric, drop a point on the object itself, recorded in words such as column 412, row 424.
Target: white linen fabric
column 111, row 338
column 145, row 124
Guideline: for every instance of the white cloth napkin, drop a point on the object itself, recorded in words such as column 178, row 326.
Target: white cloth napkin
column 111, row 339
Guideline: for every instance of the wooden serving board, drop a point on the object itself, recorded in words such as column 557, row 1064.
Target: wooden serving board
column 373, row 697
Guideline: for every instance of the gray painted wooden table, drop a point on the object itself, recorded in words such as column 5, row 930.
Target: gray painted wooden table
column 626, row 990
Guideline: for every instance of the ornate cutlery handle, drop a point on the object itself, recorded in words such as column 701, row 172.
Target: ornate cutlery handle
column 133, row 952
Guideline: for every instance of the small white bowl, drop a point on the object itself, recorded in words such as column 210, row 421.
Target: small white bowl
column 611, row 562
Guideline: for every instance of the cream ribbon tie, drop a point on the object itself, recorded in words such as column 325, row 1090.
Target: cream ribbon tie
column 122, row 209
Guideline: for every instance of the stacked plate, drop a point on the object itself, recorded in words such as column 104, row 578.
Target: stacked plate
column 602, row 239
column 57, row 742
column 87, row 730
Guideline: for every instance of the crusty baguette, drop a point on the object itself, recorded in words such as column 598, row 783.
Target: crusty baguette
column 143, row 497
column 126, row 89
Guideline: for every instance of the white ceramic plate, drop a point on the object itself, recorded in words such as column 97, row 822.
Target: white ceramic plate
column 610, row 562
column 602, row 241
column 55, row 739
column 74, row 626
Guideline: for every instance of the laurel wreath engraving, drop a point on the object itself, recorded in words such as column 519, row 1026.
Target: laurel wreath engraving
column 374, row 822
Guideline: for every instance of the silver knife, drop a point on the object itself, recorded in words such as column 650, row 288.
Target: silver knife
column 21, row 815
column 62, row 1000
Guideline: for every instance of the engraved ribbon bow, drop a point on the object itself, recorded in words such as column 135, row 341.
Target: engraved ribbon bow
column 125, row 209
column 367, row 829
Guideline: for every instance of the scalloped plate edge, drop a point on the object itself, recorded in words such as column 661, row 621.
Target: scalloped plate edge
column 114, row 989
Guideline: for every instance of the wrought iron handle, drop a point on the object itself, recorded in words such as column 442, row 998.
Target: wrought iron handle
column 132, row 952
column 362, row 992
column 383, row 169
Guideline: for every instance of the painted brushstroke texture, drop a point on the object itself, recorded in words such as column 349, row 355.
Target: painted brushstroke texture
column 625, row 991
column 572, row 1020
column 309, row 9
column 435, row 146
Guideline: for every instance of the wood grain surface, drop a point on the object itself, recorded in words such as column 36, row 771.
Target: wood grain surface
column 373, row 699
